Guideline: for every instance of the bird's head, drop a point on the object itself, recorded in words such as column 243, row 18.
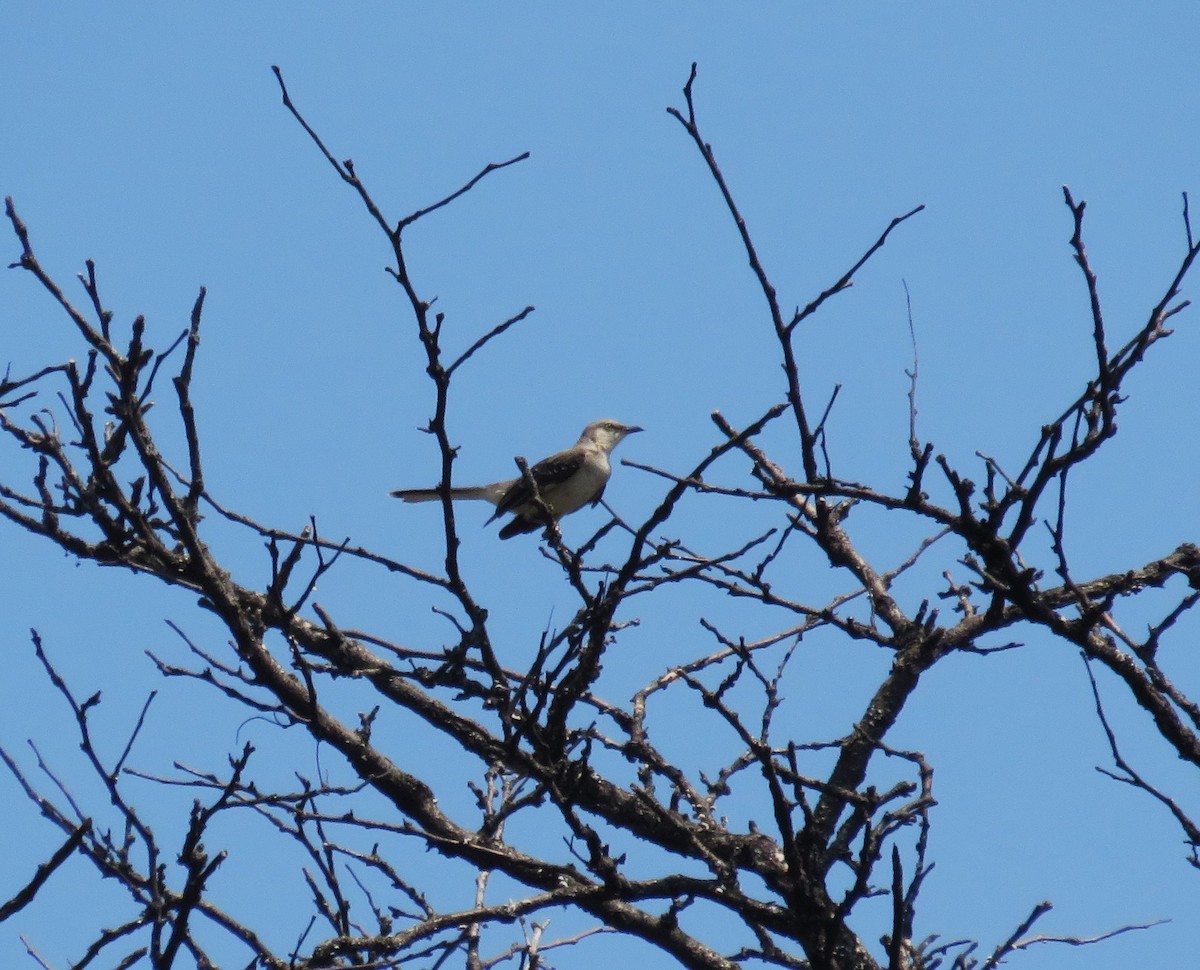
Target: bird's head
column 607, row 433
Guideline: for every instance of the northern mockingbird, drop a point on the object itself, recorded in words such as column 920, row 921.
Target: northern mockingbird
column 566, row 481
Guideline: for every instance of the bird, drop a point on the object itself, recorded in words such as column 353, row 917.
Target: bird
column 566, row 481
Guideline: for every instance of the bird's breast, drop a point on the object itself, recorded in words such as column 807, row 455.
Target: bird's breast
column 580, row 488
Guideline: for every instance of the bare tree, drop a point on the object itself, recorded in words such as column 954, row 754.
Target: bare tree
column 576, row 804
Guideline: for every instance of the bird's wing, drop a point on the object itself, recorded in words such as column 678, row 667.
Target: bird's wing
column 546, row 473
column 518, row 526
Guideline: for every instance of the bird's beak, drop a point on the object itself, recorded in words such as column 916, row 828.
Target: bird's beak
column 632, row 428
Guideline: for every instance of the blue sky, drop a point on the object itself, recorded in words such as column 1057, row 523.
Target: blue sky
column 152, row 140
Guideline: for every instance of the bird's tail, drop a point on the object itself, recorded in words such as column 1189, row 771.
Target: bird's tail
column 486, row 493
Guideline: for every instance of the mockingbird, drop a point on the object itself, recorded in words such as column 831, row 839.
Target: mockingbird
column 566, row 481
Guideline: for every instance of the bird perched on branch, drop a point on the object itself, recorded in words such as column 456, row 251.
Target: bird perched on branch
column 566, row 481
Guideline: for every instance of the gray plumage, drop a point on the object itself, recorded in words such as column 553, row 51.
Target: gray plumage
column 566, row 481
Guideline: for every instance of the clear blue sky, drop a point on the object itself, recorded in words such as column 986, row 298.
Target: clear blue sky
column 151, row 139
